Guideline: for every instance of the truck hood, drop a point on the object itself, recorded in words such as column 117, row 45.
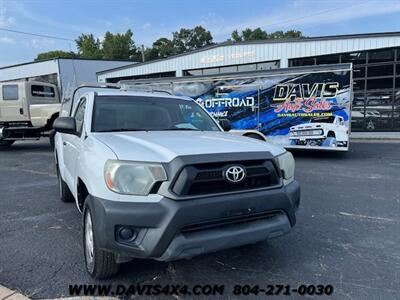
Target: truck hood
column 164, row 146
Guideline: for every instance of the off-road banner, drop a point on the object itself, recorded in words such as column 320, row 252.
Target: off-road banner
column 294, row 108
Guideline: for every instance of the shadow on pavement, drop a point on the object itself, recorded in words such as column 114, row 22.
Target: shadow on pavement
column 297, row 153
column 22, row 146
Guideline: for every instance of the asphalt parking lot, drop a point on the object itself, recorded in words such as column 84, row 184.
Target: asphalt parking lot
column 347, row 235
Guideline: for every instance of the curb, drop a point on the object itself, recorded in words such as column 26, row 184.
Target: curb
column 374, row 140
column 393, row 138
column 7, row 294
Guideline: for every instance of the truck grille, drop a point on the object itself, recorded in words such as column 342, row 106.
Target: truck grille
column 231, row 221
column 208, row 178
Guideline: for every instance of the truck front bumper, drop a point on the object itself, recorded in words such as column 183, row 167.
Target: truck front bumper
column 20, row 133
column 307, row 137
column 175, row 229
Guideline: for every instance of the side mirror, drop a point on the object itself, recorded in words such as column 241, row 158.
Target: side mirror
column 65, row 125
column 225, row 124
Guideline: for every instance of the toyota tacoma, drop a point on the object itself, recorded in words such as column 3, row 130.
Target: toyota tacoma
column 155, row 176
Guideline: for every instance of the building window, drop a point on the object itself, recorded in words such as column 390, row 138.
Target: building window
column 359, row 85
column 381, row 56
column 10, row 92
column 398, row 69
column 379, row 84
column 197, row 72
column 210, row 71
column 382, row 70
column 328, row 59
column 396, row 110
column 355, row 58
column 228, row 69
column 382, row 99
column 359, row 72
column 144, row 76
column 247, row 67
column 299, row 62
column 398, row 83
column 358, row 111
column 268, row 65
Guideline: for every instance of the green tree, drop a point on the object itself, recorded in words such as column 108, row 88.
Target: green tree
column 120, row 46
column 235, row 36
column 150, row 54
column 56, row 54
column 259, row 34
column 161, row 48
column 190, row 39
column 89, row 46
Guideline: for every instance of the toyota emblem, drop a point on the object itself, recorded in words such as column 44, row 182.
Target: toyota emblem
column 235, row 174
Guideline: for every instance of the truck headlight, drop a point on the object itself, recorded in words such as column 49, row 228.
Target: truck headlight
column 132, row 178
column 286, row 163
column 317, row 132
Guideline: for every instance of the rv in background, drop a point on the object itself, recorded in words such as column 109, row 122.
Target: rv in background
column 27, row 110
column 304, row 107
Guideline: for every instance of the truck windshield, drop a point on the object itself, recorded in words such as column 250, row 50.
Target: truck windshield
column 135, row 113
column 328, row 119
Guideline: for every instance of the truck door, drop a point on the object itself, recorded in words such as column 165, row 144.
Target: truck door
column 14, row 105
column 239, row 103
column 72, row 145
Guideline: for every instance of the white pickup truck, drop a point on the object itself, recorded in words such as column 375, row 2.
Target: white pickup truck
column 155, row 176
column 329, row 131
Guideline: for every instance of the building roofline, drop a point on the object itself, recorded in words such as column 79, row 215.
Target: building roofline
column 257, row 73
column 274, row 41
column 66, row 58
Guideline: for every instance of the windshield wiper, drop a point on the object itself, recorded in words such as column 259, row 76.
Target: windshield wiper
column 175, row 128
column 121, row 129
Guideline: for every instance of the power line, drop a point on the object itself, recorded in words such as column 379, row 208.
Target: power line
column 311, row 15
column 38, row 35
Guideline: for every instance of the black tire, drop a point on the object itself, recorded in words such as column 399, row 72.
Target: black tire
column 6, row 143
column 51, row 137
column 255, row 136
column 65, row 193
column 99, row 264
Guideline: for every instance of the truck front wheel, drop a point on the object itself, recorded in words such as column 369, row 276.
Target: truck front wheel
column 99, row 263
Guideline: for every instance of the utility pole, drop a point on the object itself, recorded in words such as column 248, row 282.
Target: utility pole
column 142, row 53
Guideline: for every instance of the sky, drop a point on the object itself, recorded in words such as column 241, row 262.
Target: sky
column 152, row 19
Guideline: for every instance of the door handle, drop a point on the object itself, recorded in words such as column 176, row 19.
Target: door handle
column 21, row 111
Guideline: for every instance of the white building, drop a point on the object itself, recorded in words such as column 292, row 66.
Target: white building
column 60, row 71
column 375, row 58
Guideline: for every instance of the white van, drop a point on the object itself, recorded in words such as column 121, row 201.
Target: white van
column 27, row 110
